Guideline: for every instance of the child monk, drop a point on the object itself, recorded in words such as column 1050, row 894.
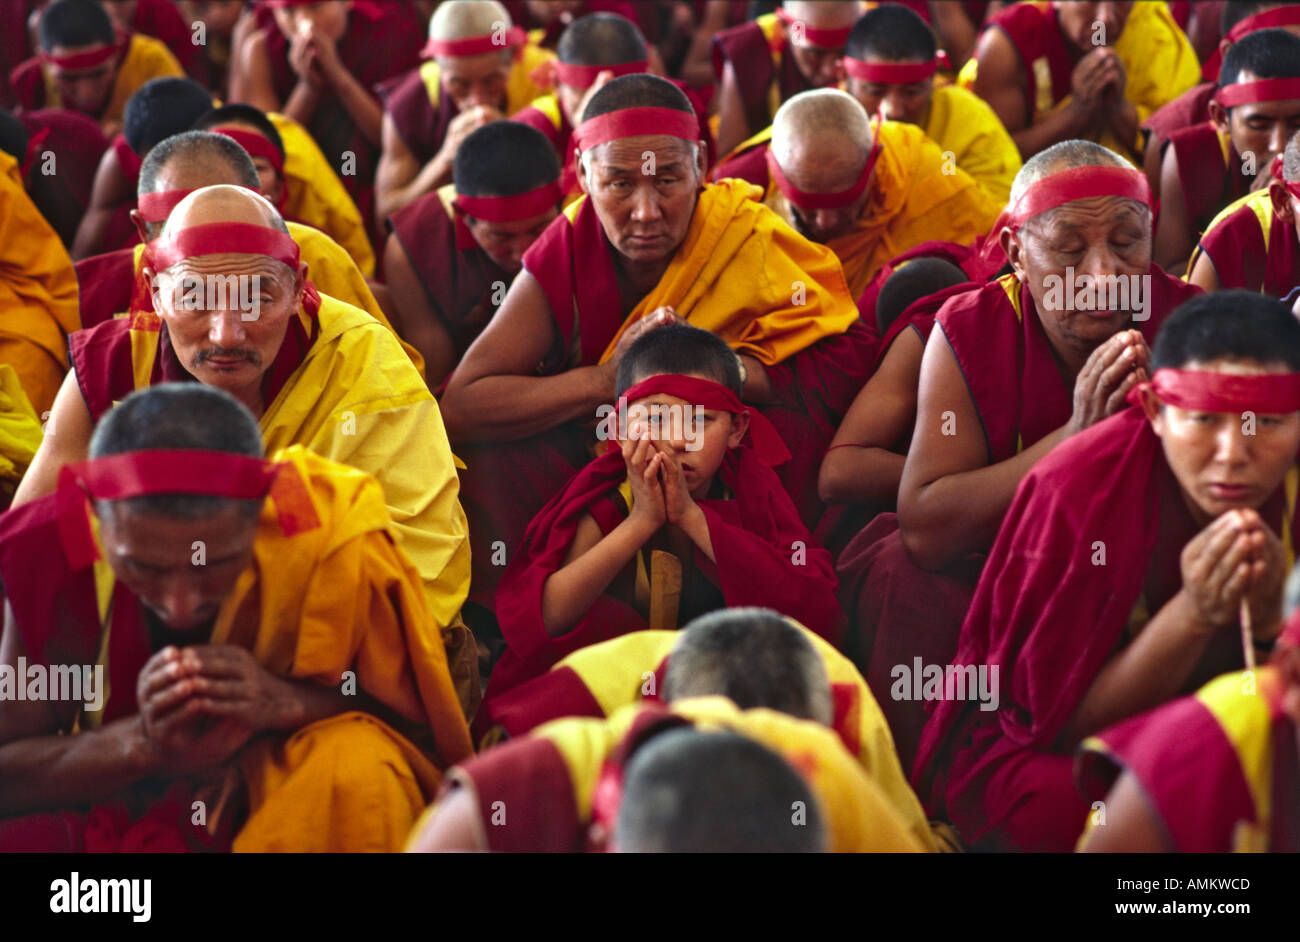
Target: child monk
column 684, row 517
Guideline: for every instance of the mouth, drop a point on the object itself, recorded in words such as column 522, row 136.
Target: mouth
column 1230, row 492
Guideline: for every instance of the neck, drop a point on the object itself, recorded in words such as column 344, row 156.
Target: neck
column 639, row 277
column 251, row 398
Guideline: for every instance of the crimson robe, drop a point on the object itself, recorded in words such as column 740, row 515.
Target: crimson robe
column 1207, row 181
column 77, row 144
column 897, row 610
column 162, row 20
column 754, row 534
column 1049, row 617
column 1251, row 248
column 750, row 53
column 1188, row 109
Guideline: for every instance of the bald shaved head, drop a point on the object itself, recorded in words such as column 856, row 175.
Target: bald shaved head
column 465, row 19
column 1291, row 158
column 822, row 139
column 224, row 203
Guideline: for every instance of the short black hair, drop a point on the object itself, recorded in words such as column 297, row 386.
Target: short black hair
column 75, row 23
column 637, row 91
column 678, row 348
column 601, row 39
column 241, row 114
column 1236, row 324
column 911, row 281
column 754, row 657
column 890, row 32
column 1268, row 53
column 173, row 416
column 504, row 158
column 163, row 107
column 1234, row 11
column 13, row 136
column 688, row 791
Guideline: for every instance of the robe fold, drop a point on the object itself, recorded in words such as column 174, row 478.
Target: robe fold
column 897, row 610
column 600, row 679
column 163, row 21
column 555, row 774
column 327, row 591
column 755, row 535
column 1218, row 768
column 146, row 58
column 342, row 387
column 1251, row 248
column 1188, row 109
column 60, row 185
column 1049, row 618
column 766, row 73
column 963, row 124
column 38, row 292
column 20, row 433
column 1159, row 62
column 1209, row 172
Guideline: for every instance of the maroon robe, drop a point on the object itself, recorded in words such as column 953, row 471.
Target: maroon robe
column 77, row 144
column 746, row 48
column 421, row 127
column 899, row 611
column 163, row 21
column 1189, row 108
column 1036, row 32
column 752, row 532
column 109, row 285
column 1236, row 249
column 1208, row 184
column 559, row 137
column 1049, row 618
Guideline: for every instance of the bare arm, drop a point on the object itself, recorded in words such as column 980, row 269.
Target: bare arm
column 697, row 68
column 957, row 33
column 251, row 75
column 1130, row 826
column 1203, row 274
column 1174, row 239
column 455, row 825
column 881, row 416
column 1000, row 82
column 414, row 317
column 733, row 126
column 593, row 562
column 67, row 439
column 109, row 191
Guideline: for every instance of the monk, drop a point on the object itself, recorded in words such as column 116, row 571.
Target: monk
column 683, row 517
column 1238, row 732
column 57, row 153
column 889, row 67
column 163, row 21
column 548, row 783
column 159, row 109
column 1134, row 563
column 295, row 175
column 761, row 63
column 1209, row 165
column 642, row 250
column 38, row 293
column 84, row 65
column 317, row 63
column 452, row 254
column 1063, row 70
column 752, row 656
column 1255, row 242
column 1013, row 369
column 274, row 660
column 868, row 192
column 479, row 70
column 314, row 370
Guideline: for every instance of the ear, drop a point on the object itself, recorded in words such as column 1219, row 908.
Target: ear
column 138, row 221
column 1281, row 199
column 701, row 161
column 299, row 283
column 1219, row 117
column 1151, row 408
column 155, row 289
column 739, row 426
column 1010, row 242
column 581, row 169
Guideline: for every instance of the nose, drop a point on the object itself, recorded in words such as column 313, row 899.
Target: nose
column 645, row 207
column 892, row 107
column 1277, row 139
column 226, row 329
column 1099, row 262
column 181, row 599
column 1232, row 444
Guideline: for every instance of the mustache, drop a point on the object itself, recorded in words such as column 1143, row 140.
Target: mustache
column 238, row 353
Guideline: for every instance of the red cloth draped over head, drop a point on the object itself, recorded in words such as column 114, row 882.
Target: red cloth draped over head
column 1282, row 16
column 805, row 200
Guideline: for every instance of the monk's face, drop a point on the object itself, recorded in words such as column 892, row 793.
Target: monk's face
column 697, row 438
column 181, row 568
column 825, row 165
column 329, row 18
column 506, row 242
column 1226, row 461
column 84, row 90
column 820, row 65
column 472, row 81
column 1083, row 23
column 1261, row 128
column 644, row 189
column 570, row 98
column 219, row 340
column 909, row 103
column 271, row 184
column 1107, row 239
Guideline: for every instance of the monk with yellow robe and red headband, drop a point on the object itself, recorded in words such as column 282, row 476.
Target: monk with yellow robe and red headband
column 1009, row 371
column 479, row 68
column 1138, row 560
column 1255, row 243
column 247, row 634
column 647, row 246
column 235, row 308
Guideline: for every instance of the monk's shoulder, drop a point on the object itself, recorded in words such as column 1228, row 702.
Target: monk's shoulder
column 152, row 56
column 319, row 246
column 340, row 496
column 973, row 305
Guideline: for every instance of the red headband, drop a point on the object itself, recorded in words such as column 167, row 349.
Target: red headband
column 636, row 122
column 890, row 73
column 511, row 208
column 823, row 200
column 1208, row 391
column 156, row 207
column 584, row 76
column 763, row 436
column 82, row 60
column 475, row 45
column 217, row 237
column 1282, row 16
column 1292, row 186
column 1077, row 183
column 256, row 145
column 1248, row 93
column 143, row 473
column 826, row 38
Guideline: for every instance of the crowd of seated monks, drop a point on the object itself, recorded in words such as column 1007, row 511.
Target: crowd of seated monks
column 675, row 426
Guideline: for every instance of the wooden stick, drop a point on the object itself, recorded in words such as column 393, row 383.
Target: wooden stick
column 1247, row 640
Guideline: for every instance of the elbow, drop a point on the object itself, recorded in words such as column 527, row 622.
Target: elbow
column 830, row 482
column 928, row 540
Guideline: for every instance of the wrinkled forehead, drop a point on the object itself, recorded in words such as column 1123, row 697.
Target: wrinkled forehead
column 275, row 272
column 632, row 153
column 1098, row 216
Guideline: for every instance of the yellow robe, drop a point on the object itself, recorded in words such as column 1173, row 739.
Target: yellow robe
column 146, row 58
column 38, row 292
column 858, row 815
column 748, row 277
column 1159, row 65
column 336, row 596
column 316, row 195
column 962, row 123
column 614, row 671
column 20, row 433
